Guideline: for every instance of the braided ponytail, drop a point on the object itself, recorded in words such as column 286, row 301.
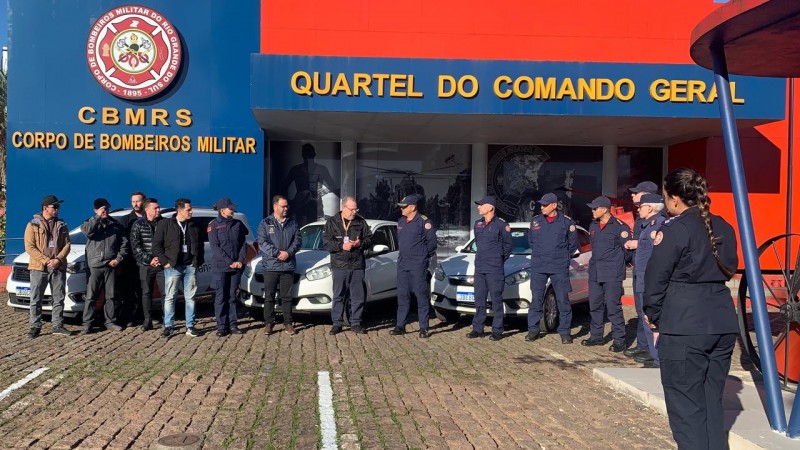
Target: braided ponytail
column 692, row 188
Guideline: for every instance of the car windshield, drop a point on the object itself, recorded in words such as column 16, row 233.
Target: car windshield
column 519, row 237
column 312, row 237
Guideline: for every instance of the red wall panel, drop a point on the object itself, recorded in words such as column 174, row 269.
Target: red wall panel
column 535, row 30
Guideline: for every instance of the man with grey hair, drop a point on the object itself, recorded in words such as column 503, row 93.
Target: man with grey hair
column 651, row 218
column 347, row 237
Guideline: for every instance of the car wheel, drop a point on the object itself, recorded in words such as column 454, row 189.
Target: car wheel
column 446, row 315
column 549, row 320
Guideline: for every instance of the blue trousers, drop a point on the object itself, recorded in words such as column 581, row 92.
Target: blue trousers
column 488, row 284
column 644, row 335
column 606, row 295
column 225, row 285
column 693, row 373
column 561, row 287
column 344, row 281
column 416, row 282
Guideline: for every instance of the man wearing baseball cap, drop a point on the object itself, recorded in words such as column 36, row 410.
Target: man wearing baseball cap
column 227, row 238
column 553, row 241
column 47, row 244
column 417, row 245
column 494, row 246
column 606, row 272
column 106, row 248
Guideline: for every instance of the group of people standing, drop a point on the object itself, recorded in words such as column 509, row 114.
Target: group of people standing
column 127, row 259
column 686, row 320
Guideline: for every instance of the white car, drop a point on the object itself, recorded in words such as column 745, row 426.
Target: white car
column 313, row 282
column 453, row 292
column 19, row 286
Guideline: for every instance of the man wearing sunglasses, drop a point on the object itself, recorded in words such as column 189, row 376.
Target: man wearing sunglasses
column 47, row 243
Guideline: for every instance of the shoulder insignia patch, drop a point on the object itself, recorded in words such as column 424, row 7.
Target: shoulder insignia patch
column 534, row 224
column 424, row 217
column 653, row 235
column 567, row 217
column 658, row 238
column 208, row 230
column 508, row 228
column 652, row 222
column 428, row 226
column 624, row 234
column 571, row 228
column 501, row 219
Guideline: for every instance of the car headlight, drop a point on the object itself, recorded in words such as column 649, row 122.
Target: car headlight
column 439, row 273
column 76, row 267
column 518, row 277
column 319, row 273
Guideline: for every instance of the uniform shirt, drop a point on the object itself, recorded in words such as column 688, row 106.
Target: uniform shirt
column 494, row 244
column 608, row 254
column 685, row 291
column 552, row 243
column 417, row 242
column 647, row 234
column 227, row 238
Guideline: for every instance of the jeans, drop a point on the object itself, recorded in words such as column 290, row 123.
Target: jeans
column 172, row 277
column 39, row 281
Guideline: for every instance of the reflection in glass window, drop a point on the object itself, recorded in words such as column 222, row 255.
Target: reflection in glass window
column 311, row 238
column 439, row 174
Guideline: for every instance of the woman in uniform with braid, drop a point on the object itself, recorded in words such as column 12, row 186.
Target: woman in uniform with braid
column 687, row 302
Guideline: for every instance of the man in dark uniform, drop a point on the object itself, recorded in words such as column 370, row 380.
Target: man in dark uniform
column 651, row 207
column 347, row 236
column 553, row 242
column 493, row 240
column 645, row 187
column 606, row 272
column 227, row 238
column 417, row 247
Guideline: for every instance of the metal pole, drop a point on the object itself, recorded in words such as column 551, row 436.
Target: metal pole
column 789, row 189
column 775, row 411
column 794, row 419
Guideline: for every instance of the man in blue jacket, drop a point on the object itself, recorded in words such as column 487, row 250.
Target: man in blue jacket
column 227, row 237
column 553, row 241
column 279, row 241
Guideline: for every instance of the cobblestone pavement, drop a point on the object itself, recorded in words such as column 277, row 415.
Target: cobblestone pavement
column 126, row 389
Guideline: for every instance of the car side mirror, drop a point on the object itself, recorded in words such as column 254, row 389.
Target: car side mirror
column 576, row 253
column 378, row 249
column 459, row 248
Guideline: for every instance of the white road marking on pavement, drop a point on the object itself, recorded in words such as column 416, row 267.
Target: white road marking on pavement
column 7, row 391
column 326, row 416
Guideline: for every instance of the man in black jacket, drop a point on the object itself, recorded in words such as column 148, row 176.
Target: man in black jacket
column 347, row 237
column 178, row 246
column 128, row 285
column 106, row 248
column 149, row 266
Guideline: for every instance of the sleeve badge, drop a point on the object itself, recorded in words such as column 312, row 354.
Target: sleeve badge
column 624, row 235
column 428, row 226
column 508, row 228
column 659, row 237
column 572, row 228
column 653, row 235
column 208, row 230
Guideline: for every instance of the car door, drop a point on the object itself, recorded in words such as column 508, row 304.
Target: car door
column 579, row 268
column 381, row 271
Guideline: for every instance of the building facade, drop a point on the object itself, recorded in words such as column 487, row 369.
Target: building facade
column 447, row 100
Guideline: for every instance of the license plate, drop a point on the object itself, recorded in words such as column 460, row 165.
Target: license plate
column 465, row 297
column 23, row 292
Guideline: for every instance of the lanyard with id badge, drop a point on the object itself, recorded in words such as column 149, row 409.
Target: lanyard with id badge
column 184, row 247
